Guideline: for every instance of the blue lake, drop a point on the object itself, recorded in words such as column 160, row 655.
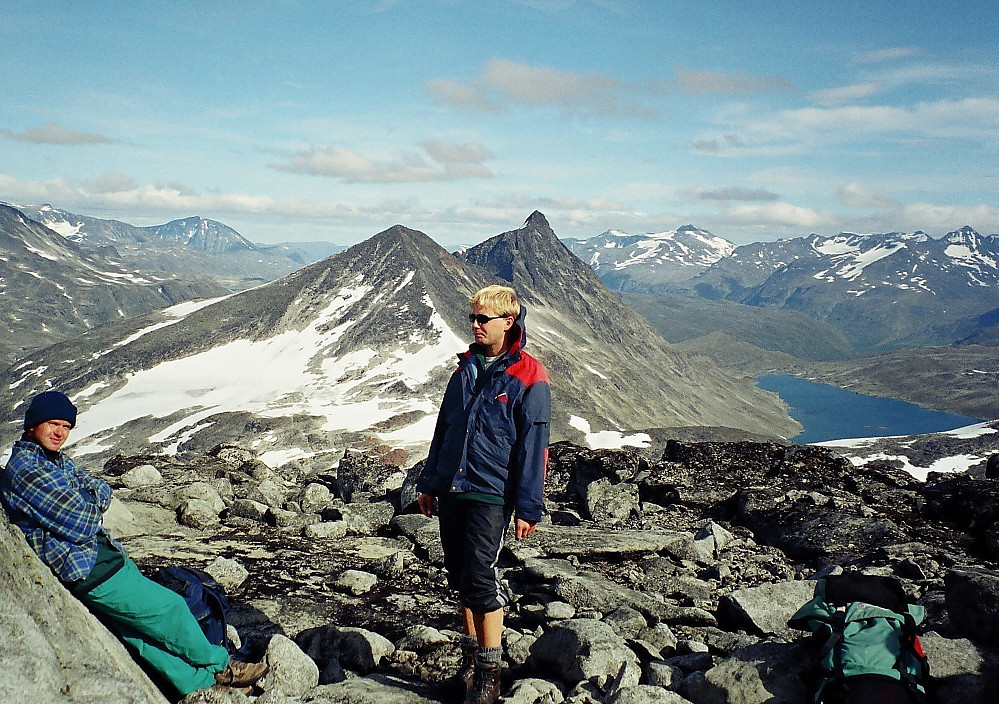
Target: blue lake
column 831, row 413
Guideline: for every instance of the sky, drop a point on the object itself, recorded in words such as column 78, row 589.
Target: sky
column 301, row 121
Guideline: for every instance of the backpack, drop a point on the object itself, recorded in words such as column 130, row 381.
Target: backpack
column 869, row 651
column 205, row 597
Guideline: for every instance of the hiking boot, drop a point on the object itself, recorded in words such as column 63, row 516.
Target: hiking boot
column 485, row 685
column 458, row 685
column 241, row 674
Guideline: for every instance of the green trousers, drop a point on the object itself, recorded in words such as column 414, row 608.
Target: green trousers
column 158, row 627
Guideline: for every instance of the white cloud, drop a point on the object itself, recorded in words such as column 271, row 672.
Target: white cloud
column 52, row 133
column 970, row 117
column 442, row 161
column 779, row 214
column 847, row 94
column 858, row 195
column 701, row 81
column 880, row 55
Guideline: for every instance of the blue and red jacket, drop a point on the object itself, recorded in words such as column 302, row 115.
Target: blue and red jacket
column 493, row 428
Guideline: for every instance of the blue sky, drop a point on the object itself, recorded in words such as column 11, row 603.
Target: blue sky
column 335, row 120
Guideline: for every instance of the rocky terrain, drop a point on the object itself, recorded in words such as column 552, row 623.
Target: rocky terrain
column 662, row 575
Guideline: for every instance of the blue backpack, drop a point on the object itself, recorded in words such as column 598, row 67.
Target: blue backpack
column 206, row 599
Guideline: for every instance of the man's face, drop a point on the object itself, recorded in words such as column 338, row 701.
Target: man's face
column 490, row 335
column 52, row 434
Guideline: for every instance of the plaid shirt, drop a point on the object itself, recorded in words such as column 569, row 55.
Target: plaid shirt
column 58, row 506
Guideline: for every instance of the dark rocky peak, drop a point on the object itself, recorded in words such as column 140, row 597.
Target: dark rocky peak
column 533, row 257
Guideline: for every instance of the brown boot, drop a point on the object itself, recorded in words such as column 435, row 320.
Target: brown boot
column 486, row 685
column 457, row 686
column 241, row 674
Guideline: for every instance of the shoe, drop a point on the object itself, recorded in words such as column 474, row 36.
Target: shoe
column 486, row 685
column 241, row 674
column 458, row 685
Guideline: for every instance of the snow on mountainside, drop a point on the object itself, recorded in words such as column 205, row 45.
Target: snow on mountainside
column 355, row 351
column 633, row 262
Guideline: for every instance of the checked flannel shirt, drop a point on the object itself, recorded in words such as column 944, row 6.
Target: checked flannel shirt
column 58, row 506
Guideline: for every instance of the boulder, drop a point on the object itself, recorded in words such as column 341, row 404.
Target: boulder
column 291, row 672
column 54, row 650
column 584, row 649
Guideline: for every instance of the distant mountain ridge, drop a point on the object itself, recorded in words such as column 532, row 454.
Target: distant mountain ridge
column 52, row 288
column 192, row 246
column 637, row 262
column 355, row 351
column 882, row 291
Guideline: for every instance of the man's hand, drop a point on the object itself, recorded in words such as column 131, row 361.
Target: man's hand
column 522, row 528
column 426, row 502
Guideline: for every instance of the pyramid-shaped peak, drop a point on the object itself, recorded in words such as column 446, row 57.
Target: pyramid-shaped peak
column 538, row 221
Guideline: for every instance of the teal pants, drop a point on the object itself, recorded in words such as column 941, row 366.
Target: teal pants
column 159, row 628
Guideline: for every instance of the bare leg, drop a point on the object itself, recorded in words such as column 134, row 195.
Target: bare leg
column 489, row 628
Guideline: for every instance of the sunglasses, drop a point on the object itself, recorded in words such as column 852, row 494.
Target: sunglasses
column 483, row 319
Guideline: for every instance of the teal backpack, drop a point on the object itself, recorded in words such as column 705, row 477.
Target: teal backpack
column 868, row 648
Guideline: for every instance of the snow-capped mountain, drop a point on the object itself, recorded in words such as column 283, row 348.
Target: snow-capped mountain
column 626, row 262
column 201, row 234
column 192, row 246
column 880, row 290
column 356, row 350
column 52, row 289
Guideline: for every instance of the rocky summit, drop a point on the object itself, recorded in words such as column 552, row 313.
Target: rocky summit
column 664, row 575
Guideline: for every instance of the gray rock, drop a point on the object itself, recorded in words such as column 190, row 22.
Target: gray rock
column 960, row 674
column 330, row 530
column 229, row 573
column 356, row 581
column 424, row 532
column 291, row 671
column 585, row 649
column 645, row 694
column 247, row 508
column 626, row 621
column 559, row 611
column 534, row 691
column 376, row 689
column 611, row 504
column 203, row 491
column 315, row 498
column 353, row 648
column 661, row 674
column 197, row 513
column 767, row 673
column 268, row 492
column 144, row 475
column 421, row 638
column 767, row 608
column 54, row 650
column 366, row 518
column 973, row 600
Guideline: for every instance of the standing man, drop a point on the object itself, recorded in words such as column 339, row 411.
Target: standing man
column 60, row 509
column 487, row 462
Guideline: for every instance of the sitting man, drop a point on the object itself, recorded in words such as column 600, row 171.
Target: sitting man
column 60, row 508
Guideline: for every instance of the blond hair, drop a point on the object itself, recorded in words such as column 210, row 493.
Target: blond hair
column 502, row 300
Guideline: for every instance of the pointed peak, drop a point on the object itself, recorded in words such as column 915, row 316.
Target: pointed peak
column 537, row 221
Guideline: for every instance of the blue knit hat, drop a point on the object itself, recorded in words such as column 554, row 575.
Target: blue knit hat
column 49, row 405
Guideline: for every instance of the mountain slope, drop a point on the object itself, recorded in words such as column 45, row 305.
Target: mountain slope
column 52, row 289
column 356, row 350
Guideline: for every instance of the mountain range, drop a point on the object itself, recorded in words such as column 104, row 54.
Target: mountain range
column 880, row 291
column 355, row 351
column 193, row 246
column 53, row 289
